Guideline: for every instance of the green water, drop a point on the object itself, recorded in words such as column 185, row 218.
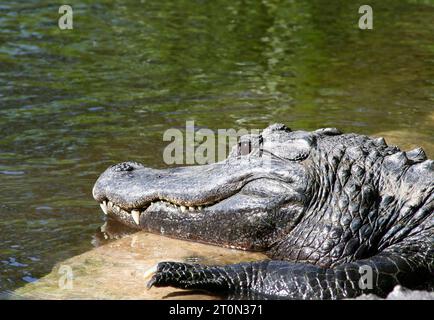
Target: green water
column 76, row 101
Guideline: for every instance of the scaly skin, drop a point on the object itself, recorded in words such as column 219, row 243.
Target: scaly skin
column 324, row 206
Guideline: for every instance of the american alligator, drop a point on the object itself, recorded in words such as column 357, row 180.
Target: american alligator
column 332, row 211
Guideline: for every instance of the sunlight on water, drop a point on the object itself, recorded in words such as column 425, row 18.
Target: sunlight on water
column 76, row 101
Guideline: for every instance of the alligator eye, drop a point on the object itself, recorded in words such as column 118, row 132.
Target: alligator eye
column 245, row 147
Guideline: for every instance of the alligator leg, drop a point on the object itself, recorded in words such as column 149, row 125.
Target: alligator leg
column 285, row 280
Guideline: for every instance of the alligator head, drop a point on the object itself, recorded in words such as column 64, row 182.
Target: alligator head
column 247, row 201
column 272, row 185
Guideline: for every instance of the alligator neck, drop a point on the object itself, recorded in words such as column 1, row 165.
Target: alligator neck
column 344, row 196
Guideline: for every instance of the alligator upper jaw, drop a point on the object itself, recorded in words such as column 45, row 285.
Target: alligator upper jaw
column 130, row 187
column 128, row 191
column 135, row 187
column 223, row 204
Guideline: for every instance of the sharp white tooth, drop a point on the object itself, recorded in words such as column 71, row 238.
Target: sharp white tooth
column 199, row 207
column 110, row 204
column 136, row 216
column 191, row 208
column 103, row 207
column 183, row 208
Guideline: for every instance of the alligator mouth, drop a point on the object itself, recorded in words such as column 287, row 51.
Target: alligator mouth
column 187, row 201
column 110, row 208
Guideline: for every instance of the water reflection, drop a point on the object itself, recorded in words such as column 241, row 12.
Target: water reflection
column 110, row 230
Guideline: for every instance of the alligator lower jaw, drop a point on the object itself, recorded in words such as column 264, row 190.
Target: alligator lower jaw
column 109, row 207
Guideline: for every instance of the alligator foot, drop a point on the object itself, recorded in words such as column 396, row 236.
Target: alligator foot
column 266, row 279
column 276, row 279
column 243, row 281
column 191, row 276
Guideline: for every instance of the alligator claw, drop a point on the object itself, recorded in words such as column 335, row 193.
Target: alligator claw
column 174, row 274
column 189, row 276
column 151, row 283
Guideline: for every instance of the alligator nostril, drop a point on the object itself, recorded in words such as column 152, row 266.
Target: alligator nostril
column 124, row 166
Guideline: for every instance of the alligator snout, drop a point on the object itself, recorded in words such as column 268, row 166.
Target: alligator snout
column 190, row 202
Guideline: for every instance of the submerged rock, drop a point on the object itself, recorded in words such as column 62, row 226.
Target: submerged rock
column 116, row 270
